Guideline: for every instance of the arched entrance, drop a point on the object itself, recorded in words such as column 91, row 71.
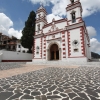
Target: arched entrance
column 54, row 52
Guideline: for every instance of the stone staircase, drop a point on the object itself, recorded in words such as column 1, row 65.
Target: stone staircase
column 64, row 63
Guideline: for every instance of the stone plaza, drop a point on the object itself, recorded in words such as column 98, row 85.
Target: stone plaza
column 50, row 83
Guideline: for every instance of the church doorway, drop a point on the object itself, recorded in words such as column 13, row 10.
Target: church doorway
column 54, row 52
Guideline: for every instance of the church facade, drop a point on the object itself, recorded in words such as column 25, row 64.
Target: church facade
column 65, row 39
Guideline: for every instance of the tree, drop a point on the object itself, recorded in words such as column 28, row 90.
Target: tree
column 28, row 32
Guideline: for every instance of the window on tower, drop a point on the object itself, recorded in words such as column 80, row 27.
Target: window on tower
column 73, row 17
column 39, row 16
column 72, row 1
column 38, row 27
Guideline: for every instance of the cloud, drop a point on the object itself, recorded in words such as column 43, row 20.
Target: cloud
column 16, row 33
column 51, row 16
column 44, row 2
column 6, row 26
column 59, row 6
column 90, row 7
column 5, row 21
column 95, row 45
column 91, row 31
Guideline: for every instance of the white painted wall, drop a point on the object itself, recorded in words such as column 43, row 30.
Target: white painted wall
column 87, row 49
column 1, row 56
column 10, row 55
column 66, row 44
column 21, row 49
column 58, row 35
column 45, row 30
column 60, row 25
column 77, row 15
column 41, row 25
column 42, row 14
column 75, row 35
column 37, row 43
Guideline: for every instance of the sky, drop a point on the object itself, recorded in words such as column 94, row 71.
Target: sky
column 14, row 13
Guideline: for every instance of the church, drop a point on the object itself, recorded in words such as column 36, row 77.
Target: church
column 65, row 39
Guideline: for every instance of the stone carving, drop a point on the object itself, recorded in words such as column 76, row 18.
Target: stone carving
column 53, row 36
column 53, row 27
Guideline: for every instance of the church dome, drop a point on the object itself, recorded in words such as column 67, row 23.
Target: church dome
column 41, row 9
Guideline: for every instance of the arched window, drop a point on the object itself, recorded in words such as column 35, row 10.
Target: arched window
column 39, row 16
column 38, row 27
column 72, row 1
column 73, row 17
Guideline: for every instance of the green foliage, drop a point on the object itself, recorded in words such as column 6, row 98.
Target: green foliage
column 28, row 32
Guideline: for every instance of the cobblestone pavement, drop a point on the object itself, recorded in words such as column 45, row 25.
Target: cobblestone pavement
column 52, row 83
column 10, row 65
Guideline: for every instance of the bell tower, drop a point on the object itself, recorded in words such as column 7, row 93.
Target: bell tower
column 41, row 19
column 74, row 11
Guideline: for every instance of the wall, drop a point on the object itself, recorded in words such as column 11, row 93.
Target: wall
column 21, row 49
column 37, row 44
column 77, row 14
column 1, row 56
column 75, row 35
column 15, row 56
column 60, row 25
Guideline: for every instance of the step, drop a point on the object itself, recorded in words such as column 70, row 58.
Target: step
column 59, row 63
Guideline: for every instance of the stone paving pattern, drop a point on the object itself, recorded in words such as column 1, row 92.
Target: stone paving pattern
column 10, row 65
column 52, row 83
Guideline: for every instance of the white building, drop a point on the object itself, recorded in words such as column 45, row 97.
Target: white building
column 20, row 48
column 66, row 39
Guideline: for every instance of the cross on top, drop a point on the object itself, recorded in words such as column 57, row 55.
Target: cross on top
column 41, row 4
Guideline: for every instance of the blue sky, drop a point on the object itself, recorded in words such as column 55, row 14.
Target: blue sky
column 14, row 13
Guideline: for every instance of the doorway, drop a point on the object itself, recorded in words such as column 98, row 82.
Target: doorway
column 54, row 52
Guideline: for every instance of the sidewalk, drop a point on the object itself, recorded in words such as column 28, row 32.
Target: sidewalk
column 25, row 69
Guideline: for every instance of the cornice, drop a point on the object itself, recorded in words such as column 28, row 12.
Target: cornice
column 75, row 25
column 54, row 32
column 57, row 21
column 38, row 36
column 41, row 20
column 74, row 6
column 55, row 39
